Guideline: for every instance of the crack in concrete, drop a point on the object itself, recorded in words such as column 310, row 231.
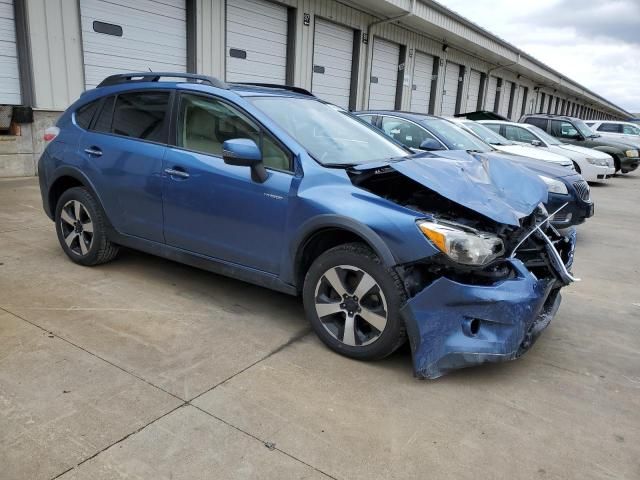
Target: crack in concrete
column 297, row 337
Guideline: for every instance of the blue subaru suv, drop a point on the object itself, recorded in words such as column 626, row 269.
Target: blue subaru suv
column 270, row 185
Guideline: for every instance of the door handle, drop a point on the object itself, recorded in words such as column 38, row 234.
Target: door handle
column 93, row 151
column 174, row 172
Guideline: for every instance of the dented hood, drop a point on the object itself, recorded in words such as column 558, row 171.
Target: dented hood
column 492, row 186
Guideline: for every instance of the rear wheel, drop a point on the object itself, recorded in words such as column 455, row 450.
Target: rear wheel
column 81, row 228
column 353, row 302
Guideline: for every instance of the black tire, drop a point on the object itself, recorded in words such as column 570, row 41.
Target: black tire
column 96, row 247
column 617, row 164
column 372, row 344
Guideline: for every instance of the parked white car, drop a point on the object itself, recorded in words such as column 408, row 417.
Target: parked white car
column 507, row 146
column 615, row 129
column 593, row 165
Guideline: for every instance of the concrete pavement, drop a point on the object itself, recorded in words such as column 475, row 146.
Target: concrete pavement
column 143, row 368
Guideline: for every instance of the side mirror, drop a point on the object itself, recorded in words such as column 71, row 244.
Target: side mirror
column 430, row 144
column 536, row 143
column 243, row 152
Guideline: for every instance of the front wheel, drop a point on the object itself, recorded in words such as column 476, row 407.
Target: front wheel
column 353, row 302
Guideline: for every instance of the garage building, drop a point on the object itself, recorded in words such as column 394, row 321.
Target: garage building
column 390, row 54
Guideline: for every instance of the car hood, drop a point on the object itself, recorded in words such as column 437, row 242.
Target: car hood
column 488, row 184
column 537, row 153
column 585, row 152
column 602, row 141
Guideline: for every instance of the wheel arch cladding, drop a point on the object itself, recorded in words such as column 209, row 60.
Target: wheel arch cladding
column 328, row 231
column 64, row 179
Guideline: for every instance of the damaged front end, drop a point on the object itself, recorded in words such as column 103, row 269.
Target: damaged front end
column 492, row 304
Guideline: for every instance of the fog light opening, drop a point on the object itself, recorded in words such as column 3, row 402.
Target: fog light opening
column 471, row 327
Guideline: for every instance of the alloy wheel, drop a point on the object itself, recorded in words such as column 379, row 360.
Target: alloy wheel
column 77, row 227
column 351, row 305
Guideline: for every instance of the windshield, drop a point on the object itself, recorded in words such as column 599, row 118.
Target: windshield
column 544, row 136
column 330, row 134
column 583, row 129
column 454, row 137
column 486, row 134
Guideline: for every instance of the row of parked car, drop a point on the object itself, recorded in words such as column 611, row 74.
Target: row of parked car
column 406, row 227
column 540, row 142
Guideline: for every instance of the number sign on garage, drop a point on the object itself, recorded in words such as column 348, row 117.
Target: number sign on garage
column 332, row 62
column 9, row 72
column 256, row 49
column 384, row 75
column 421, row 86
column 120, row 36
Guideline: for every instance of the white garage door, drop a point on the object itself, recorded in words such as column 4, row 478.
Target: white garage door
column 9, row 74
column 492, row 88
column 473, row 92
column 450, row 92
column 121, row 36
column 384, row 75
column 421, row 86
column 332, row 56
column 256, row 42
column 505, row 95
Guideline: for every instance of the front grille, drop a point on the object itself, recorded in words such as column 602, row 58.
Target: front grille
column 582, row 188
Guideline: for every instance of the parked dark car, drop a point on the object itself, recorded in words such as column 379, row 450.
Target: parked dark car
column 626, row 156
column 273, row 186
column 568, row 191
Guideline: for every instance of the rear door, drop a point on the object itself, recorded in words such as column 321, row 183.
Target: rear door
column 215, row 209
column 122, row 153
column 384, row 75
column 421, row 87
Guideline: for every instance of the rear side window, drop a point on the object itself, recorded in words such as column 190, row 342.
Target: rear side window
column 85, row 114
column 103, row 122
column 141, row 115
column 519, row 134
column 610, row 127
column 538, row 122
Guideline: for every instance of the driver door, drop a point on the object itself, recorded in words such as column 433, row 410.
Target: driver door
column 215, row 209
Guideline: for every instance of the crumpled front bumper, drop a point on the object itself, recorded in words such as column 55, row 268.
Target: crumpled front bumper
column 453, row 325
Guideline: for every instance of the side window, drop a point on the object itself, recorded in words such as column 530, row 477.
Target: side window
column 404, row 132
column 538, row 122
column 85, row 114
column 367, row 118
column 103, row 122
column 204, row 124
column 560, row 128
column 141, row 115
column 518, row 134
column 630, row 130
column 610, row 127
column 493, row 126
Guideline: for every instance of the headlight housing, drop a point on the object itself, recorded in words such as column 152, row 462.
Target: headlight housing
column 554, row 186
column 465, row 246
column 631, row 153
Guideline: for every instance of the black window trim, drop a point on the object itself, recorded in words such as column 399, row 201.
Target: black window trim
column 98, row 102
column 173, row 133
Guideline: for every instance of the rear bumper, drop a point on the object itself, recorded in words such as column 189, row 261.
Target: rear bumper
column 453, row 325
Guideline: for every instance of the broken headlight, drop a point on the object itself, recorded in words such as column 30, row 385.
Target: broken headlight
column 553, row 185
column 466, row 246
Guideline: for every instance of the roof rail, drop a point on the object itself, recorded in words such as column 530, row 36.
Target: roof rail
column 155, row 77
column 290, row 88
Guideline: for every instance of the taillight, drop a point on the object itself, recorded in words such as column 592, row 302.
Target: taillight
column 51, row 133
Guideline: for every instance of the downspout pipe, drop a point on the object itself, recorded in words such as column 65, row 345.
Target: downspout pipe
column 367, row 66
column 486, row 84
